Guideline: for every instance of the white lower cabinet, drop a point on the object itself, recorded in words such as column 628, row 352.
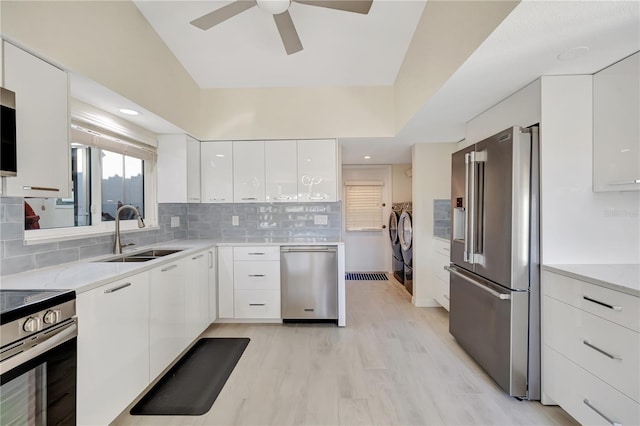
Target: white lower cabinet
column 167, row 337
column 439, row 259
column 213, row 285
column 197, row 295
column 257, row 304
column 590, row 351
column 225, row 282
column 113, row 348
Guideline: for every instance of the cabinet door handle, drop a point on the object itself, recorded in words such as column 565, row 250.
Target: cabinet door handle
column 114, row 289
column 257, row 253
column 197, row 257
column 257, row 304
column 40, row 188
column 194, row 198
column 210, row 259
column 600, row 413
column 625, row 182
column 257, row 275
column 606, row 305
column 597, row 349
column 168, row 268
column 248, row 198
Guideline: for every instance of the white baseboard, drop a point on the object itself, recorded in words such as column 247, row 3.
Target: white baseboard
column 425, row 303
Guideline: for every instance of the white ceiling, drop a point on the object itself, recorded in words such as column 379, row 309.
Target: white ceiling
column 524, row 47
column 340, row 48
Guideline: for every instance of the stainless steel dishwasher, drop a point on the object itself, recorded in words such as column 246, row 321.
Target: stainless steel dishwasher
column 309, row 278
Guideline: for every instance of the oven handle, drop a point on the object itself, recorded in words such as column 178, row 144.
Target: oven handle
column 66, row 333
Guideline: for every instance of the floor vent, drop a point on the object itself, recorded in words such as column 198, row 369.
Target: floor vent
column 365, row 276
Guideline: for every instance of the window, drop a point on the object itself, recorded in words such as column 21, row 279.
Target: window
column 107, row 172
column 363, row 206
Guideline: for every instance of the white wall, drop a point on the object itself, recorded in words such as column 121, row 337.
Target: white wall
column 431, row 181
column 402, row 183
column 369, row 251
column 579, row 225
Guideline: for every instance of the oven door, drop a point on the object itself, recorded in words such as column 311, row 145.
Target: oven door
column 38, row 385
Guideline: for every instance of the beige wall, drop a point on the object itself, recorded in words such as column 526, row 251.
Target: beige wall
column 402, row 183
column 111, row 43
column 447, row 34
column 296, row 113
column 431, row 181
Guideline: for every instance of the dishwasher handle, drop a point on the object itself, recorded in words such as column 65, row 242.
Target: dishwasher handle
column 307, row 249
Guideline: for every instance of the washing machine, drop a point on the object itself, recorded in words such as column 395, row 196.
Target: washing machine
column 405, row 235
column 396, row 251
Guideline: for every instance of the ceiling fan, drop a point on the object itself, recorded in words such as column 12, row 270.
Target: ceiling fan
column 280, row 11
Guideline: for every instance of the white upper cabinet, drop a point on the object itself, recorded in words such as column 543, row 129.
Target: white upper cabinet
column 178, row 169
column 281, row 171
column 616, row 134
column 317, row 170
column 42, row 125
column 216, row 168
column 248, row 171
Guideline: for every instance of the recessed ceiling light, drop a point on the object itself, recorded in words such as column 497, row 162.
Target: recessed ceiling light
column 367, row 157
column 129, row 111
column 573, row 53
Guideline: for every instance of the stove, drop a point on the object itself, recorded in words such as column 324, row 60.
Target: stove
column 38, row 357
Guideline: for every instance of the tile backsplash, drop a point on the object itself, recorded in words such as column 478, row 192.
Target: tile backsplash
column 258, row 221
column 442, row 218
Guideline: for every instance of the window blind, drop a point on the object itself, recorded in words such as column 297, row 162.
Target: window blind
column 363, row 206
column 101, row 139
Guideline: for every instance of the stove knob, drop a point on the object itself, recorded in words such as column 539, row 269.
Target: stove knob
column 51, row 316
column 31, row 324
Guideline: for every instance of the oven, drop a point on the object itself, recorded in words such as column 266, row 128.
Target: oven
column 38, row 336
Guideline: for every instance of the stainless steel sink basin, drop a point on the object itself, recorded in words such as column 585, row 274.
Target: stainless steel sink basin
column 142, row 256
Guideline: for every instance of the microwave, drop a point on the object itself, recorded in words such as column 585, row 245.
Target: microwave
column 8, row 157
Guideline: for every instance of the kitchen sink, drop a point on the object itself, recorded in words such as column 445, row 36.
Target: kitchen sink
column 142, row 256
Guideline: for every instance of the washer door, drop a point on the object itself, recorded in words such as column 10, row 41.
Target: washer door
column 405, row 233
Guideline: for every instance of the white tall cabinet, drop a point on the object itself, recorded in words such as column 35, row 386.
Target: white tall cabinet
column 42, row 125
column 178, row 169
column 248, row 171
column 317, row 170
column 281, row 171
column 216, row 168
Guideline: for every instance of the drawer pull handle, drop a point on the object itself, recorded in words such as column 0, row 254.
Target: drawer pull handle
column 597, row 349
column 257, row 253
column 600, row 413
column 256, row 304
column 606, row 305
column 197, row 257
column 40, row 188
column 114, row 289
column 257, row 275
column 168, row 268
column 248, row 198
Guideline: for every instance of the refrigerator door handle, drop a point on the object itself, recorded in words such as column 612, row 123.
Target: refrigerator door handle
column 501, row 296
column 469, row 217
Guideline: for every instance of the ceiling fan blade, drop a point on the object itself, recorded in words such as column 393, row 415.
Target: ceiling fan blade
column 220, row 15
column 288, row 33
column 355, row 6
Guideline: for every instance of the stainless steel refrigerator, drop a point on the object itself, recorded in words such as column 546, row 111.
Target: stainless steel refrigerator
column 494, row 271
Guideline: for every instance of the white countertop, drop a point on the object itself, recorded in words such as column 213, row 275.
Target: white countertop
column 624, row 278
column 90, row 273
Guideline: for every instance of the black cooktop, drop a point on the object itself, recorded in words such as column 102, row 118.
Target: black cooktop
column 16, row 304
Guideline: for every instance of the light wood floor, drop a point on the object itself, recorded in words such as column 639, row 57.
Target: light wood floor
column 393, row 364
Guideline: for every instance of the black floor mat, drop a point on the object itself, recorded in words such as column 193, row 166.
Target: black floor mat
column 191, row 386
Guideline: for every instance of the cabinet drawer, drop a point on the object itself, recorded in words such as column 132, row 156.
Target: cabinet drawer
column 442, row 292
column 583, row 337
column 249, row 275
column 256, row 253
column 570, row 386
column 257, row 303
column 609, row 304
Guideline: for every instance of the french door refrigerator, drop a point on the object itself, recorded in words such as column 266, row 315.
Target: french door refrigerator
column 494, row 271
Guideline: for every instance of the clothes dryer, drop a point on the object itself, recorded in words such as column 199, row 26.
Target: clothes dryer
column 405, row 235
column 396, row 251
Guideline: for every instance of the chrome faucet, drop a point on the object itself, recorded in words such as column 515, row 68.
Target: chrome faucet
column 117, row 248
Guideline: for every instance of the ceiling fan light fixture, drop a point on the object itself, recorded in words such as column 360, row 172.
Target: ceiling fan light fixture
column 274, row 7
